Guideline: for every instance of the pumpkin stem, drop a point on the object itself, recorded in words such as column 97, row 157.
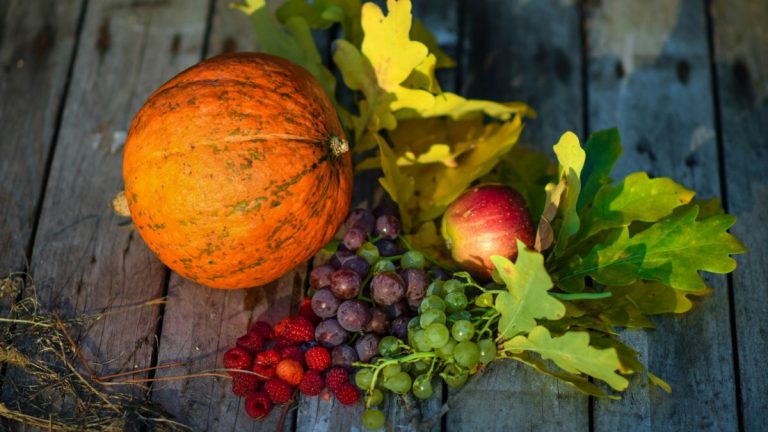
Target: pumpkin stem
column 339, row 146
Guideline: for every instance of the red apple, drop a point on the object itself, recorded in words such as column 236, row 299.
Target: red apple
column 486, row 220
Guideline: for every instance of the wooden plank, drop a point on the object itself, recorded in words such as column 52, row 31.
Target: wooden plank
column 740, row 37
column 649, row 75
column 84, row 261
column 509, row 56
column 37, row 41
column 200, row 323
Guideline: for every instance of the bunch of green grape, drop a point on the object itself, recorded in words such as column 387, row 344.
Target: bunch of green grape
column 446, row 341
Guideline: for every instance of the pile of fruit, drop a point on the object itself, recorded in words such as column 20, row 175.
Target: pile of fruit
column 383, row 312
column 376, row 311
column 364, row 303
column 269, row 365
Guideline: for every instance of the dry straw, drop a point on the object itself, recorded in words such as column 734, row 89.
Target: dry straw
column 47, row 382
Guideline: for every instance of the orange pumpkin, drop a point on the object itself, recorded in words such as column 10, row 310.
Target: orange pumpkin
column 237, row 170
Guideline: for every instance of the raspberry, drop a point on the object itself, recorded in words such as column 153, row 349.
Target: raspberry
column 305, row 310
column 278, row 391
column 265, row 371
column 265, row 362
column 290, row 371
column 243, row 383
column 292, row 352
column 262, row 329
column 312, row 384
column 317, row 359
column 336, row 377
column 347, row 394
column 251, row 342
column 268, row 357
column 237, row 358
column 258, row 405
column 298, row 329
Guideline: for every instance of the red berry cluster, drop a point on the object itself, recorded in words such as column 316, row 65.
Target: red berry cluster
column 275, row 362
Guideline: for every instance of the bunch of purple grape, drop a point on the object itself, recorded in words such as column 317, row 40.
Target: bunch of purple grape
column 370, row 288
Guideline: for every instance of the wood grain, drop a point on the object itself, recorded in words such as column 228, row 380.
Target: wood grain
column 37, row 41
column 741, row 36
column 83, row 261
column 507, row 56
column 649, row 75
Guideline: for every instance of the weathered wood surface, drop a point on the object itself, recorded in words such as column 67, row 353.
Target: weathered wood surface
column 37, row 44
column 508, row 56
column 83, row 260
column 649, row 75
column 740, row 37
column 648, row 72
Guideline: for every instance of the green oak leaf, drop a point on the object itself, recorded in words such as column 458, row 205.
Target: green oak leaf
column 707, row 207
column 652, row 298
column 526, row 298
column 631, row 305
column 571, row 158
column 636, row 198
column 572, row 353
column 671, row 251
column 603, row 149
column 578, row 318
column 628, row 357
column 579, row 382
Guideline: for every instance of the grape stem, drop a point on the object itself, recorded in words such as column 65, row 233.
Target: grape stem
column 379, row 366
column 360, row 296
column 489, row 318
column 431, row 368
